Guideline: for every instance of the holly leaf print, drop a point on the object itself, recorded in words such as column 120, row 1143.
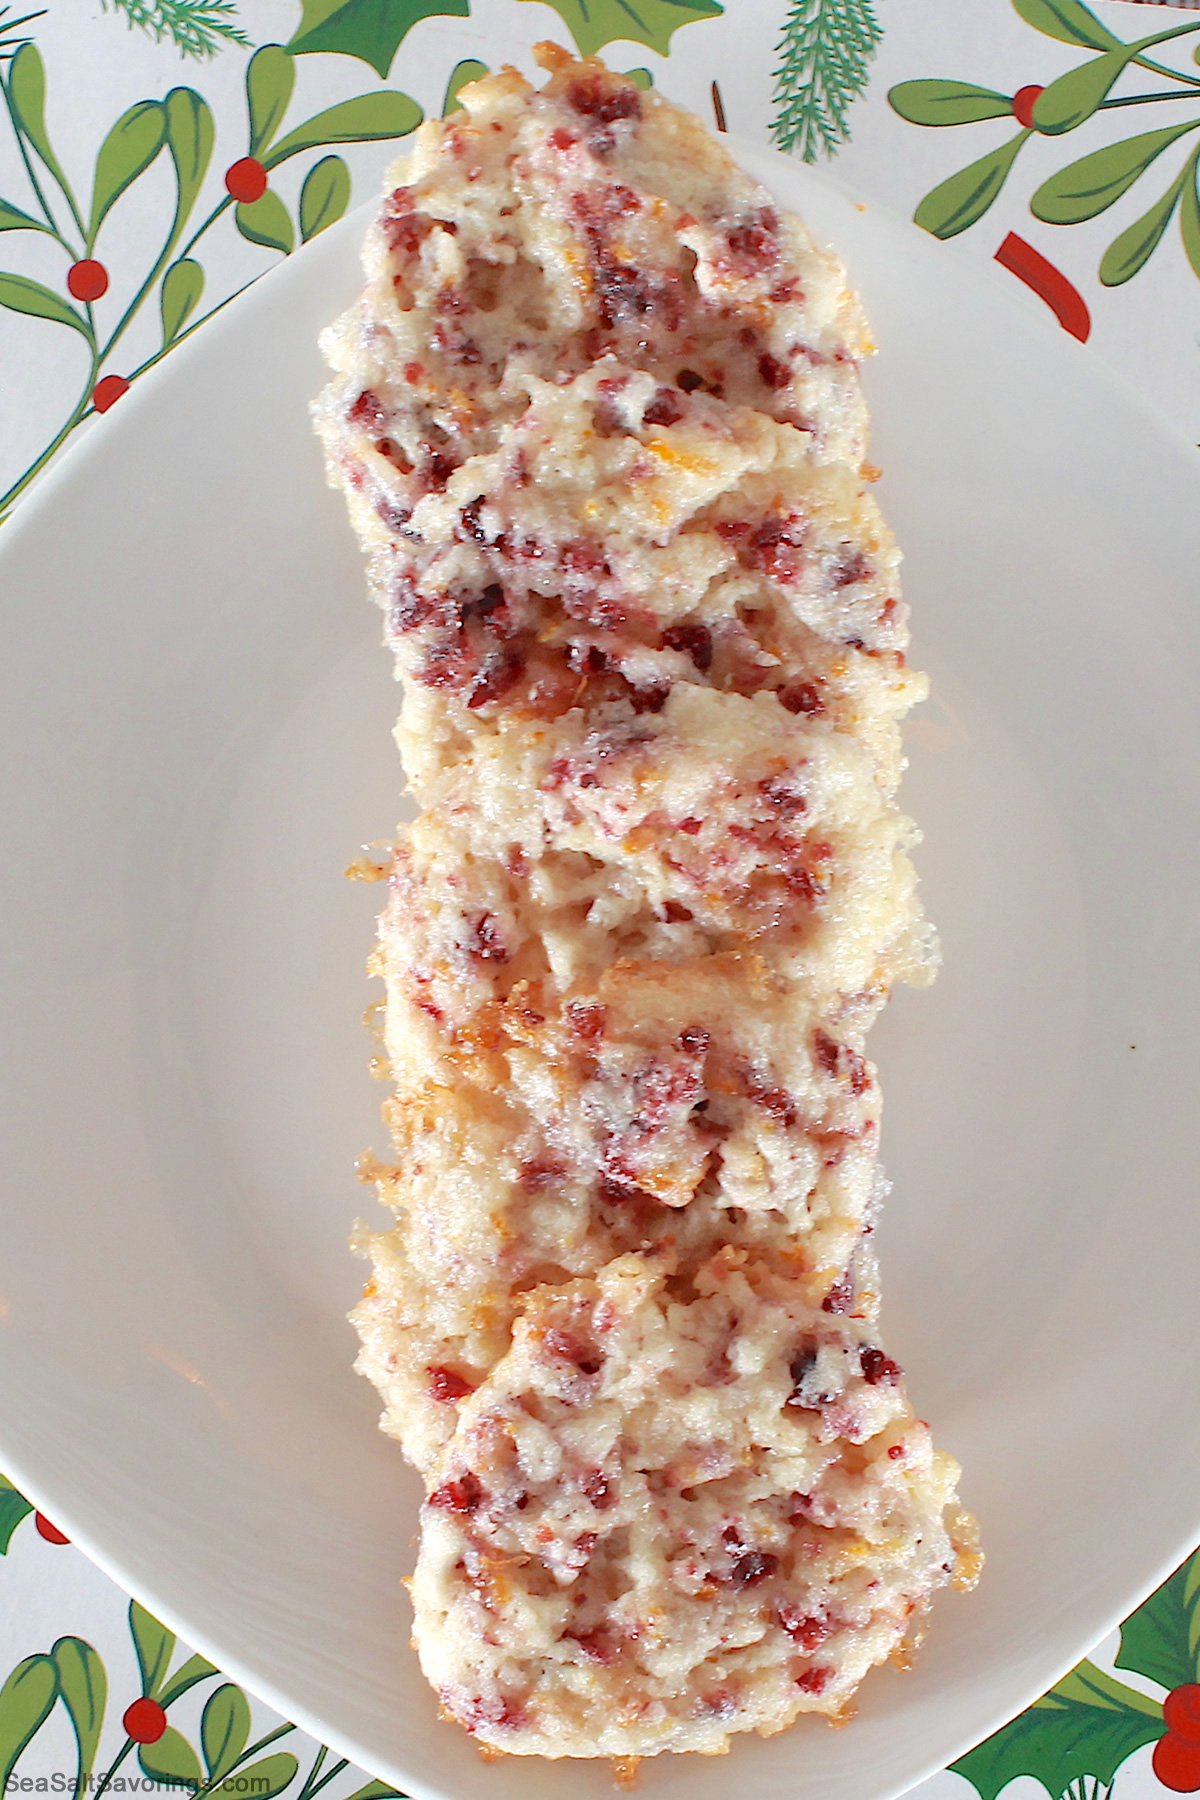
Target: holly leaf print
column 1162, row 1638
column 594, row 23
column 1086, row 1726
column 372, row 30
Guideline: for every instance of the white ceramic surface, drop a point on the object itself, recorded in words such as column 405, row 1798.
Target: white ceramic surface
column 194, row 739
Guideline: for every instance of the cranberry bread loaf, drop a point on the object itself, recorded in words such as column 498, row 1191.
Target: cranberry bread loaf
column 598, row 420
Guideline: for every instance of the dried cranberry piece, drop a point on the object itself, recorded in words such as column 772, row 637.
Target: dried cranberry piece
column 675, row 914
column 851, row 569
column 404, row 230
column 753, row 240
column 464, row 1495
column 600, row 1643
column 805, row 1397
column 368, row 409
column 826, row 1052
column 666, row 408
column 753, row 1567
column 446, row 1386
column 694, row 641
column 587, row 1018
column 807, row 1630
column 599, row 1490
column 573, row 1350
column 598, row 97
column 801, row 697
column 497, row 676
column 689, row 381
column 841, row 1296
column 487, row 945
column 773, row 373
column 877, row 1367
column 814, row 1681
column 538, row 1172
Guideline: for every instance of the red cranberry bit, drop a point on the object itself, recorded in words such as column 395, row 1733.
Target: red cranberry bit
column 496, row 678
column 841, row 1296
column 599, row 1490
column 666, row 408
column 807, row 1630
column 779, row 793
column 753, row 1567
column 691, row 827
column 446, row 1386
column 692, row 640
column 465, row 1495
column 496, row 1711
column 801, row 697
column 877, row 1367
column 487, row 945
column 649, row 699
column 586, row 1019
column 772, row 372
column 675, row 914
column 806, row 1395
column 814, row 1681
column 754, row 241
column 771, row 548
column 471, row 527
column 623, row 1193
column 571, row 1349
column 689, row 381
column 695, row 1039
column 403, row 229
column 852, row 568
column 895, row 1452
column 561, row 139
column 775, row 1102
column 368, row 410
column 539, row 1172
column 826, row 1052
column 600, row 1644
column 598, row 97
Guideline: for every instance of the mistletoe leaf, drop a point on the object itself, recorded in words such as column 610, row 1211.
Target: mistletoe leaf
column 1067, row 20
column 462, row 72
column 1087, row 187
column 27, row 91
column 13, row 219
column 1135, row 246
column 1075, row 96
column 376, row 1790
column 130, row 147
column 195, row 1669
column 190, row 133
column 383, row 114
column 13, row 1508
column 324, row 196
column 263, row 1779
column 25, row 1702
column 1086, row 1726
column 182, row 286
column 963, row 199
column 1189, row 226
column 224, row 1729
column 372, row 30
column 270, row 77
column 19, row 294
column 172, row 1761
column 154, row 1645
column 84, row 1689
column 266, row 221
column 1159, row 1639
column 947, row 102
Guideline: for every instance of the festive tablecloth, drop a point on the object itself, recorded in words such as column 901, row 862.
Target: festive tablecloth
column 158, row 155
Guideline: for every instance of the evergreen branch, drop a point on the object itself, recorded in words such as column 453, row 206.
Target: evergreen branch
column 10, row 44
column 197, row 28
column 825, row 53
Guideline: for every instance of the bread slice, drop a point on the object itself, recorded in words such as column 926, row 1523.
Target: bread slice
column 598, row 420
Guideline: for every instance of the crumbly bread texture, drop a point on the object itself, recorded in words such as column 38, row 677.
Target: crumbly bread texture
column 598, row 420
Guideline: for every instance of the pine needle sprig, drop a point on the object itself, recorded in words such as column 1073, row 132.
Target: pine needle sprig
column 825, row 53
column 197, row 28
column 10, row 30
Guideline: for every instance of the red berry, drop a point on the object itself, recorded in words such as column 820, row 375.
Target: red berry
column 107, row 392
column 144, row 1721
column 246, row 180
column 50, row 1532
column 1181, row 1710
column 87, row 280
column 1023, row 102
column 1177, row 1764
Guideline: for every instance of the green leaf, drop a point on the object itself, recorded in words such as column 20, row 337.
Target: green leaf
column 182, row 286
column 376, row 1790
column 13, row 1508
column 324, row 196
column 172, row 1760
column 594, row 23
column 195, row 1669
column 1067, row 20
column 641, row 78
column 190, row 132
column 130, row 147
column 463, row 72
column 383, row 114
column 825, row 57
column 947, row 102
column 963, row 199
column 262, row 1780
column 266, row 221
column 13, row 219
column 1189, row 224
column 27, row 91
column 372, row 30
column 1076, row 95
column 1159, row 1640
column 270, row 77
column 84, row 1689
column 154, row 1645
column 1086, row 1726
column 21, row 295
column 1135, row 246
column 1087, row 187
column 25, row 1702
column 224, row 1729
